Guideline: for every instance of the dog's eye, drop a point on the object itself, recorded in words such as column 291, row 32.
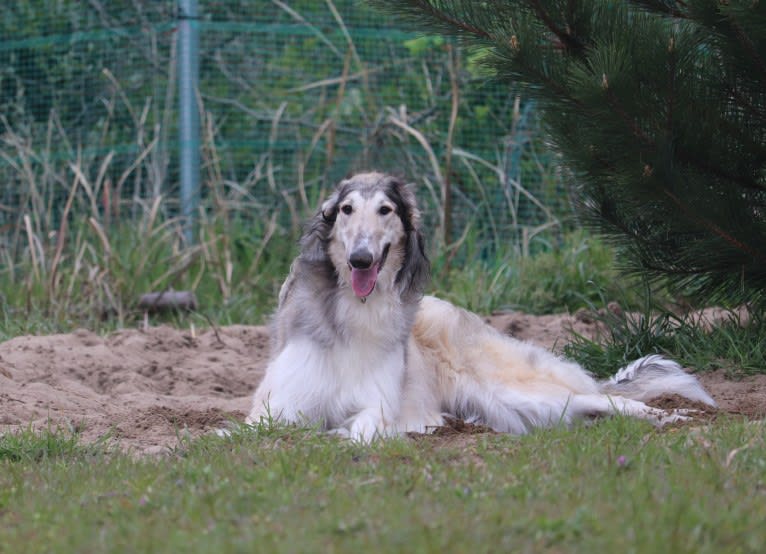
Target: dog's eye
column 346, row 209
column 384, row 210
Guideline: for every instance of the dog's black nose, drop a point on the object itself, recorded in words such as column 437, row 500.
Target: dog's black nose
column 360, row 259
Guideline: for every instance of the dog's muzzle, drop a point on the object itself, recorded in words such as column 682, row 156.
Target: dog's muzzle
column 364, row 271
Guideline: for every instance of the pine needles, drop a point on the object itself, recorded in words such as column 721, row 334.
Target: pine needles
column 659, row 109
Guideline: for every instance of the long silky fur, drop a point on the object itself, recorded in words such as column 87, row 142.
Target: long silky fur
column 397, row 361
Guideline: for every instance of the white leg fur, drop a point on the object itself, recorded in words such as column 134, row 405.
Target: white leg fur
column 333, row 387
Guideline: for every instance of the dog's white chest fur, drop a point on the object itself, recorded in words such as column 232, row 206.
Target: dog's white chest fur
column 375, row 322
column 354, row 384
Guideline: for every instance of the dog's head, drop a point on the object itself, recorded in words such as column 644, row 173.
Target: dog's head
column 368, row 229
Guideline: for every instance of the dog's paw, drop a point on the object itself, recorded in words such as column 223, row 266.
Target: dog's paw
column 677, row 415
column 340, row 432
column 363, row 433
column 368, row 426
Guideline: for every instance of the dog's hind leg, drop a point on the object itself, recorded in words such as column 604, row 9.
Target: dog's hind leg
column 518, row 411
column 507, row 409
column 598, row 405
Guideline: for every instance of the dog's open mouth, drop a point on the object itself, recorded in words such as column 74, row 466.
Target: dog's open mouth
column 363, row 280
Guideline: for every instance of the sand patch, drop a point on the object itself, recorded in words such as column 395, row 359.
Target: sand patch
column 145, row 387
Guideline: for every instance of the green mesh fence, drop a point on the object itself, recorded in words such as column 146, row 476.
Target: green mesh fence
column 293, row 95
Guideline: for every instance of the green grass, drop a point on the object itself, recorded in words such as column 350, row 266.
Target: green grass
column 619, row 485
column 569, row 272
column 35, row 446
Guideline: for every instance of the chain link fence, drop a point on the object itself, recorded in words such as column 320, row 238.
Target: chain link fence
column 294, row 94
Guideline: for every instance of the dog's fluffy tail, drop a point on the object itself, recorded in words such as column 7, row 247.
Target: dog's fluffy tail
column 653, row 376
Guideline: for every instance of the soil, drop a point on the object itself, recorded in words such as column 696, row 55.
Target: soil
column 145, row 388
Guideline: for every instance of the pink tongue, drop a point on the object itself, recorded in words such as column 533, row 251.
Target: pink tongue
column 363, row 280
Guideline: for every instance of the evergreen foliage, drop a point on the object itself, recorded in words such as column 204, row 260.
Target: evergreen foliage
column 659, row 109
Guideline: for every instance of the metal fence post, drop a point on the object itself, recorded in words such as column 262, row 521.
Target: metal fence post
column 189, row 120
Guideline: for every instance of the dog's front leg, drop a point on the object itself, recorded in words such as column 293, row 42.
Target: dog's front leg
column 379, row 400
column 368, row 425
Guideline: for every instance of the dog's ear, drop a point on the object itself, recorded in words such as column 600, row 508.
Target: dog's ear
column 406, row 203
column 329, row 209
column 317, row 230
column 416, row 269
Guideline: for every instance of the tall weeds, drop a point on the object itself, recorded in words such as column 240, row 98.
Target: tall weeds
column 79, row 249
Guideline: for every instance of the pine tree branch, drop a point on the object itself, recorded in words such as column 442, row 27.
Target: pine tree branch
column 666, row 7
column 541, row 80
column 717, row 171
column 567, row 40
column 614, row 103
column 672, row 78
column 743, row 102
column 749, row 47
column 723, row 23
column 706, row 223
column 681, row 154
column 440, row 16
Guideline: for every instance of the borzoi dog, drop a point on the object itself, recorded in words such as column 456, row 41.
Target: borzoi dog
column 358, row 350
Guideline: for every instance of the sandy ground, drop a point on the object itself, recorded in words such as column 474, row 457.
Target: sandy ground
column 144, row 387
